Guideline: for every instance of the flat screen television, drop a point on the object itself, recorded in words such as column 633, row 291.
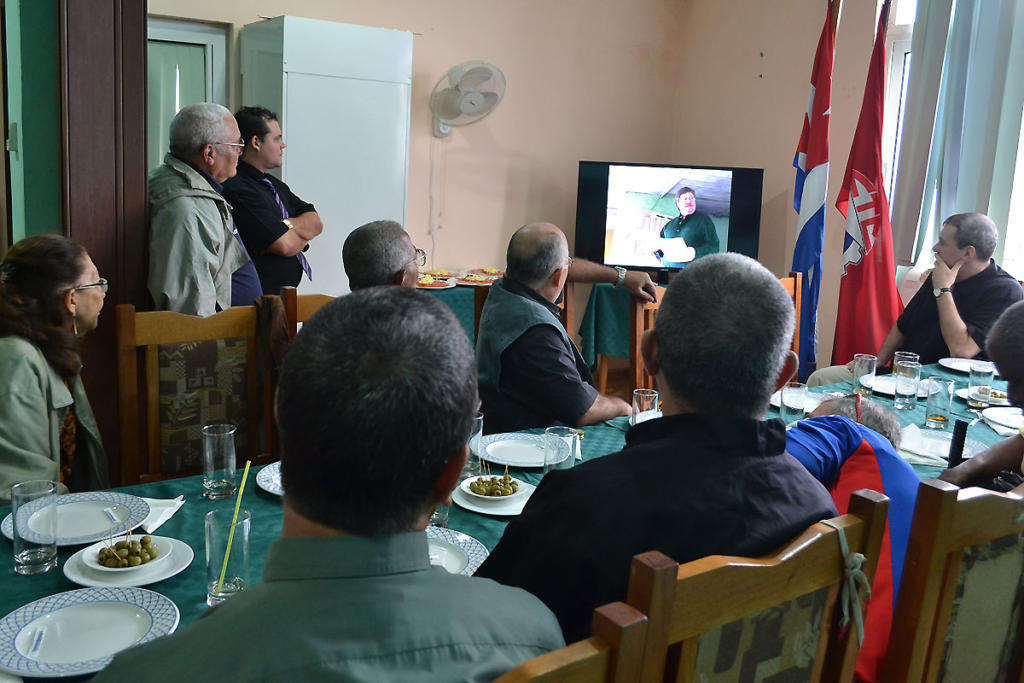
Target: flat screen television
column 661, row 217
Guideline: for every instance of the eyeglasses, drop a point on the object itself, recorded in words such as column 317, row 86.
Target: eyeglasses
column 569, row 262
column 102, row 284
column 421, row 257
column 239, row 145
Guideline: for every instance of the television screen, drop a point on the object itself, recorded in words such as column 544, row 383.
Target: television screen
column 658, row 217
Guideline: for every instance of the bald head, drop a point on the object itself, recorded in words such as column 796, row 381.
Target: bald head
column 379, row 253
column 535, row 252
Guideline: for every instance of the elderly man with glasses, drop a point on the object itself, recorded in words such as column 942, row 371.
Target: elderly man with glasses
column 381, row 253
column 197, row 264
column 530, row 373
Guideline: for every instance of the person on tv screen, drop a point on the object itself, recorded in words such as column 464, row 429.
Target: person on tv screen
column 688, row 236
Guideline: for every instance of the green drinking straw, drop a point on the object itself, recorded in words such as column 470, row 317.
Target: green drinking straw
column 231, row 534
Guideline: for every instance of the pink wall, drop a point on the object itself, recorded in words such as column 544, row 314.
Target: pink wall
column 604, row 80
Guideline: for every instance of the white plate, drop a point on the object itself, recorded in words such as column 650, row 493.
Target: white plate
column 457, row 552
column 163, row 547
column 483, row 283
column 448, row 284
column 962, row 393
column 78, row 632
column 269, row 479
column 1006, row 417
column 935, row 444
column 181, row 557
column 80, row 516
column 885, row 385
column 464, row 485
column 499, row 508
column 812, row 402
column 517, row 450
column 451, row 274
column 963, row 364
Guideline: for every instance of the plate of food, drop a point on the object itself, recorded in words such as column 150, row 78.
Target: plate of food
column 127, row 554
column 996, row 397
column 179, row 557
column 490, row 272
column 474, row 280
column 517, row 450
column 963, row 364
column 441, row 273
column 493, row 488
column 1004, row 417
column 457, row 552
column 78, row 632
column 84, row 517
column 431, row 282
column 502, row 507
column 269, row 479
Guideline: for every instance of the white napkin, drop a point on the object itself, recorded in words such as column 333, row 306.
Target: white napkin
column 999, row 429
column 160, row 511
column 920, row 448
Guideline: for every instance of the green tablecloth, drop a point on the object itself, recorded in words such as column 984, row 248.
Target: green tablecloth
column 460, row 300
column 605, row 326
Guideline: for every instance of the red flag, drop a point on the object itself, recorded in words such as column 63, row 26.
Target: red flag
column 869, row 302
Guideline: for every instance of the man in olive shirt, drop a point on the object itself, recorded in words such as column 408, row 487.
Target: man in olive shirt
column 696, row 230
column 374, row 434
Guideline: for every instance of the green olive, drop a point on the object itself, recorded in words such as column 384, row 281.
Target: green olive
column 121, row 544
column 146, row 540
column 153, row 552
column 134, row 561
column 110, row 562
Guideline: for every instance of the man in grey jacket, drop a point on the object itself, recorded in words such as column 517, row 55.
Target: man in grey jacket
column 197, row 264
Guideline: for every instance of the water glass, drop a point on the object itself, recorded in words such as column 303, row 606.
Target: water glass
column 908, row 379
column 979, row 390
column 905, row 355
column 472, row 466
column 940, row 398
column 219, row 474
column 560, row 448
column 863, row 373
column 793, row 402
column 439, row 517
column 34, row 516
column 645, row 406
column 236, row 570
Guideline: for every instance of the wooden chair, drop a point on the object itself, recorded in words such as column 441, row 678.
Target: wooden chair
column 196, row 371
column 641, row 318
column 959, row 609
column 794, row 285
column 612, row 654
column 298, row 308
column 727, row 614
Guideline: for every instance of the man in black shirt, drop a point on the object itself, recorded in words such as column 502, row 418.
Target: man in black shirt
column 710, row 477
column 530, row 372
column 275, row 225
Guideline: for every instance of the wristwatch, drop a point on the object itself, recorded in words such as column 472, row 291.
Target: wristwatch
column 622, row 277
column 289, row 225
column 939, row 291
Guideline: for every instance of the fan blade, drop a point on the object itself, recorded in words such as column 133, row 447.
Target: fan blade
column 474, row 78
column 475, row 103
column 445, row 104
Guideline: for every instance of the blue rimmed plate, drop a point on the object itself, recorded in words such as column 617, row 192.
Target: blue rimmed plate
column 78, row 632
column 517, row 450
column 82, row 517
column 457, row 552
column 269, row 479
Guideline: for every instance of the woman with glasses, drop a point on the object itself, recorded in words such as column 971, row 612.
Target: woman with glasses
column 50, row 295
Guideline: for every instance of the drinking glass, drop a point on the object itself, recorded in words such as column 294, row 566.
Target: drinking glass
column 236, row 571
column 559, row 448
column 908, row 378
column 645, row 406
column 439, row 517
column 905, row 355
column 792, row 402
column 940, row 398
column 219, row 473
column 34, row 516
column 863, row 373
column 472, row 467
column 979, row 389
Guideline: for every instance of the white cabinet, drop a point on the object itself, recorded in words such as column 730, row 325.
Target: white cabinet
column 343, row 95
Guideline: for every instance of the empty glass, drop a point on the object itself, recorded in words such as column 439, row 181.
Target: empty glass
column 645, row 406
column 559, row 448
column 979, row 389
column 793, row 402
column 472, row 467
column 219, row 473
column 235, row 569
column 863, row 373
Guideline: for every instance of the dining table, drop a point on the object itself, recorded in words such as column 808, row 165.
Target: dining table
column 188, row 589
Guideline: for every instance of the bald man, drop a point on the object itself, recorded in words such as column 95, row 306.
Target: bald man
column 530, row 372
column 381, row 253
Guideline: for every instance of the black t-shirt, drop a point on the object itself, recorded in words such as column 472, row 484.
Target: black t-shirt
column 980, row 300
column 258, row 218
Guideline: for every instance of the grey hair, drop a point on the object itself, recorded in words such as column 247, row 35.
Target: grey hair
column 723, row 330
column 872, row 415
column 374, row 253
column 531, row 260
column 1007, row 335
column 975, row 230
column 196, row 126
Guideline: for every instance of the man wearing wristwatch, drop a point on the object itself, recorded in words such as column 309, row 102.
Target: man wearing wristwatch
column 958, row 303
column 275, row 224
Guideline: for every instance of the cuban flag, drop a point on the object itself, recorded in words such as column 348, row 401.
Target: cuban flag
column 869, row 301
column 811, row 164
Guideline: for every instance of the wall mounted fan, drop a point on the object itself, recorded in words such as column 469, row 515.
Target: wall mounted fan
column 466, row 94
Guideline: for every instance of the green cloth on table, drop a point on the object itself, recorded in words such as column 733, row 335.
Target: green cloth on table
column 354, row 609
column 605, row 326
column 461, row 301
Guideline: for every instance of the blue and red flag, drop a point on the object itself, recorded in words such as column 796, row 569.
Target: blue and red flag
column 811, row 164
column 869, row 301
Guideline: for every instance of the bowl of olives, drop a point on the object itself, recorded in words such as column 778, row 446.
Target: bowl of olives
column 492, row 487
column 127, row 553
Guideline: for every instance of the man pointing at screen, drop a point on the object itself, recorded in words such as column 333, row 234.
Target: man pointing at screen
column 688, row 236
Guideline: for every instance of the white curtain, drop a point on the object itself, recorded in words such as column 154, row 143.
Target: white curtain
column 963, row 118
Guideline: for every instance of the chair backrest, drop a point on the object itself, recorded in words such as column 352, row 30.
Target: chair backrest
column 298, row 308
column 794, row 285
column 641, row 318
column 196, row 371
column 959, row 610
column 612, row 654
column 728, row 614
